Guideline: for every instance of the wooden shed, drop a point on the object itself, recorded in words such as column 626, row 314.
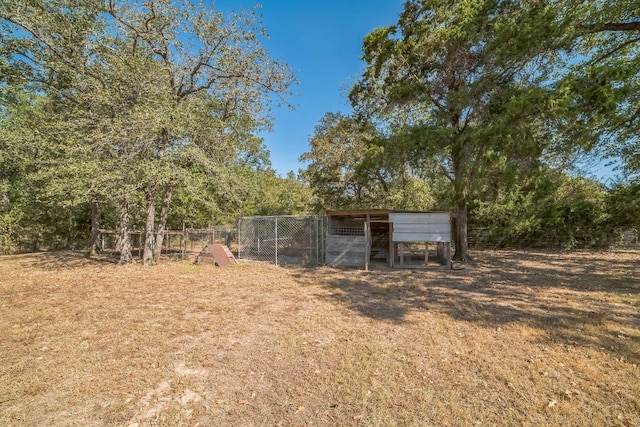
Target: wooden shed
column 356, row 238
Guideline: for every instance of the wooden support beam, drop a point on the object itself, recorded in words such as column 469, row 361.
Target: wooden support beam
column 426, row 253
column 391, row 253
column 367, row 232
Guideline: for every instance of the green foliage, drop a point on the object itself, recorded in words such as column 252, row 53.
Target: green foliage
column 254, row 192
column 131, row 102
column 472, row 72
column 350, row 167
column 276, row 195
column 623, row 206
column 487, row 96
column 546, row 208
column 600, row 81
column 155, row 105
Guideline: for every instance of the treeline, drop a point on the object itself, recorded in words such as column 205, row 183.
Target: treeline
column 144, row 114
column 133, row 115
column 512, row 204
column 489, row 108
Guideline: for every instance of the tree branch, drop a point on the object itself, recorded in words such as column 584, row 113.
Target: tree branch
column 446, row 173
column 618, row 48
column 613, row 26
column 80, row 68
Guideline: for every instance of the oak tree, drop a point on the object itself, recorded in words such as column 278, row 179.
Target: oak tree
column 470, row 72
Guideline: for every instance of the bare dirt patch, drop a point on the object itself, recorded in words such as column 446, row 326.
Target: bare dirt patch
column 517, row 338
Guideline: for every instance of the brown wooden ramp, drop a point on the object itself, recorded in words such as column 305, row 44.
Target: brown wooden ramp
column 223, row 255
column 216, row 254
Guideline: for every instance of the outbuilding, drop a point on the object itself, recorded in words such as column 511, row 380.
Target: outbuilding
column 406, row 239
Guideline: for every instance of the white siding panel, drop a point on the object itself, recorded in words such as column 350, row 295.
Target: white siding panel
column 421, row 237
column 421, row 227
column 420, row 218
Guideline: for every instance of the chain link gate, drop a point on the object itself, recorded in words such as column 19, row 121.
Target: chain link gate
column 283, row 240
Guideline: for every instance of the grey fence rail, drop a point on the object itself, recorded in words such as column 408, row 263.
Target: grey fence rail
column 177, row 243
column 282, row 239
column 488, row 238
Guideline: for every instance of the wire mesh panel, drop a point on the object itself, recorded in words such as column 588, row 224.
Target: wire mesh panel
column 626, row 239
column 177, row 244
column 282, row 240
column 196, row 238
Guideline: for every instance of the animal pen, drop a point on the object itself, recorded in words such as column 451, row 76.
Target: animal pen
column 405, row 239
column 282, row 239
column 355, row 238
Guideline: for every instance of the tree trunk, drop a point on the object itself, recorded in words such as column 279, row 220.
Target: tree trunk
column 95, row 227
column 166, row 201
column 149, row 241
column 125, row 236
column 461, row 242
column 461, row 179
column 35, row 245
column 152, row 248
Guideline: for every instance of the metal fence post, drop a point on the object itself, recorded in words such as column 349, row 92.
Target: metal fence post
column 239, row 238
column 276, row 227
column 183, row 241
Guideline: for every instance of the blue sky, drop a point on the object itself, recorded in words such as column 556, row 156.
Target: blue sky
column 321, row 41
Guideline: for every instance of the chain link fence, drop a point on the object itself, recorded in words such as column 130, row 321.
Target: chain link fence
column 197, row 238
column 626, row 239
column 282, row 239
column 177, row 244
column 491, row 238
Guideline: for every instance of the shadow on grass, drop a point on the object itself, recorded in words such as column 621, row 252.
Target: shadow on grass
column 578, row 299
column 66, row 259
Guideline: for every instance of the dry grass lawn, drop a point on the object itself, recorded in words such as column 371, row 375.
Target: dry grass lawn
column 517, row 338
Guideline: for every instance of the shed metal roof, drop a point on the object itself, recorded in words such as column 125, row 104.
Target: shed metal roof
column 375, row 212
